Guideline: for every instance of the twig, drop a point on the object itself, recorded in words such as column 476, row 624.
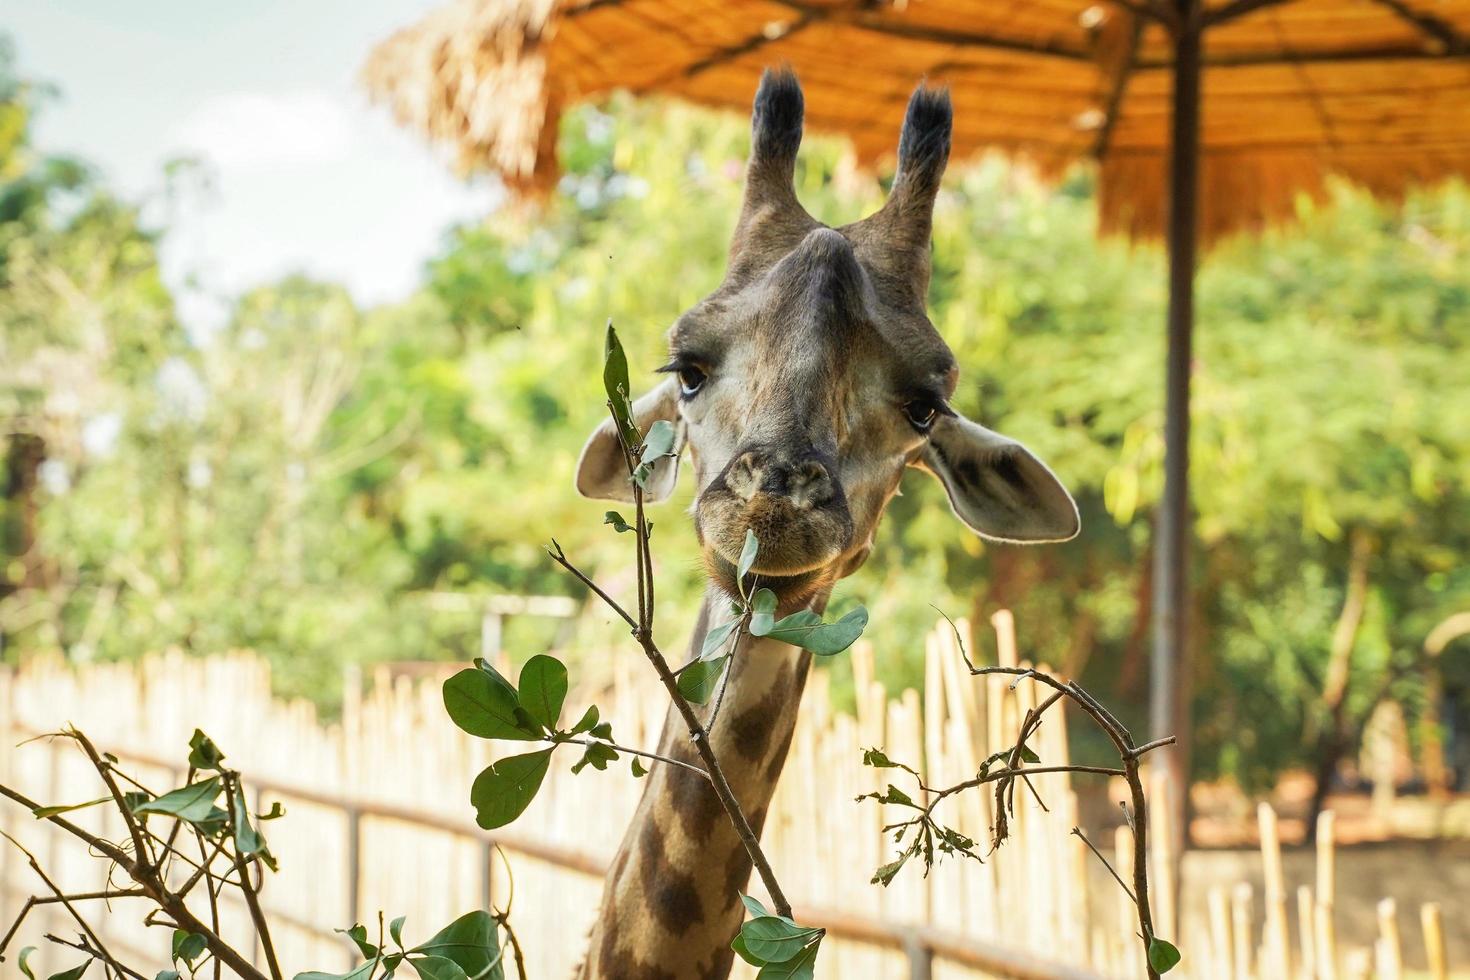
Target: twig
column 1126, row 890
column 66, row 903
column 560, row 558
column 145, row 854
column 96, row 953
column 623, row 748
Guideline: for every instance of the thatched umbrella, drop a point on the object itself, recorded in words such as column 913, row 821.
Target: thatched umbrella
column 1377, row 91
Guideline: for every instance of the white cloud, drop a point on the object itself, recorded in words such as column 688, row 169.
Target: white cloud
column 251, row 130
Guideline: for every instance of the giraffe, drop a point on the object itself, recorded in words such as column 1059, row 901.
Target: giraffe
column 802, row 388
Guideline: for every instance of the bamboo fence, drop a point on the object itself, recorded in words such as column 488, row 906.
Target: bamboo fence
column 378, row 819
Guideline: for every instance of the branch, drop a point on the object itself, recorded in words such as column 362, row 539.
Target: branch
column 262, row 928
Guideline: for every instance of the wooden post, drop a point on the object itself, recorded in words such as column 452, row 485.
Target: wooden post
column 1306, row 939
column 1434, row 950
column 1220, row 933
column 1326, row 886
column 1240, row 926
column 1275, row 888
column 1169, row 700
column 1389, row 956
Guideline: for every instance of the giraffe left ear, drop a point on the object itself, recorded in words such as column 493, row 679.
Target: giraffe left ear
column 997, row 486
column 601, row 472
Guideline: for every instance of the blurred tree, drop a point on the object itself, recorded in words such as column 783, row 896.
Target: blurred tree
column 300, row 480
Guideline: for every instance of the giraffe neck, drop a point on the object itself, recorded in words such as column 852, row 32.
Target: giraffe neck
column 670, row 903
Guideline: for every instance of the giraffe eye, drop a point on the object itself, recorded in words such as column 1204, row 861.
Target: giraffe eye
column 691, row 379
column 921, row 414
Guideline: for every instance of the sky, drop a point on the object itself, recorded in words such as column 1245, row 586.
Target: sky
column 307, row 176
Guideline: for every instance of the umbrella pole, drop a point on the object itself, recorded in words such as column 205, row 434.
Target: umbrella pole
column 1170, row 689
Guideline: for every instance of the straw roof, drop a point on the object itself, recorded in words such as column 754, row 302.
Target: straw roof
column 1375, row 90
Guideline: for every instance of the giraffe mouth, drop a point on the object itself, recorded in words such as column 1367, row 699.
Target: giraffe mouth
column 792, row 591
column 798, row 547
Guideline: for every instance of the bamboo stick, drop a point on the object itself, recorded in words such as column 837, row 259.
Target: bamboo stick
column 1275, row 892
column 1305, row 936
column 1220, row 940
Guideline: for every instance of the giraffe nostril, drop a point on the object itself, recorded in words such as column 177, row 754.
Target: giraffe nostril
column 810, row 485
column 744, row 476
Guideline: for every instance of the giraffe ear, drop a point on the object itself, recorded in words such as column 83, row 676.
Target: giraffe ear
column 997, row 486
column 601, row 472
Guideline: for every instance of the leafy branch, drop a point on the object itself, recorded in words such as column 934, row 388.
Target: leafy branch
column 1013, row 766
column 209, row 810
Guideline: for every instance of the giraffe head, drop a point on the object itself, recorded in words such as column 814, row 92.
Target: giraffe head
column 811, row 379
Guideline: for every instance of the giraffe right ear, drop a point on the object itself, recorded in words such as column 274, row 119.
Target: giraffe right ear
column 601, row 472
column 997, row 486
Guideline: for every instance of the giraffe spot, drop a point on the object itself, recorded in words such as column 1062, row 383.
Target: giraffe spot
column 622, row 964
column 671, row 896
column 751, row 729
column 692, row 798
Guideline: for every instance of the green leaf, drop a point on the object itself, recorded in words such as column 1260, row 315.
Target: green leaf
column 485, row 667
column 886, row 873
column 762, row 612
column 588, row 722
column 276, row 811
column 1162, row 955
column 802, row 966
column 602, row 730
column 597, row 756
column 896, row 795
column 775, row 940
column 879, row 760
column 437, row 968
column 362, row 972
column 738, row 945
column 615, row 383
column 203, row 753
column 187, row 946
column 747, row 558
column 616, row 520
column 193, row 803
column 657, row 444
column 247, row 838
column 74, row 973
column 25, row 954
column 395, row 929
column 544, row 688
column 42, row 812
column 714, row 640
column 485, row 707
column 697, row 681
column 638, row 771
column 1028, row 756
column 359, row 936
column 805, row 629
column 753, row 906
column 167, row 975
column 470, row 941
column 505, row 788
